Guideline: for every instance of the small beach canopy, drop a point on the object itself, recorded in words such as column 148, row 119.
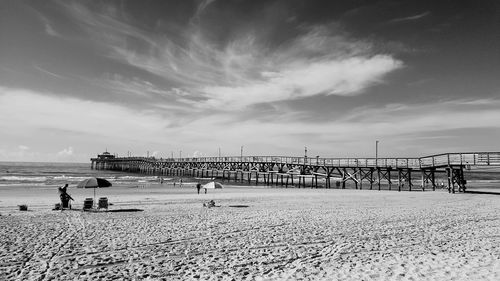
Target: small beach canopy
column 213, row 185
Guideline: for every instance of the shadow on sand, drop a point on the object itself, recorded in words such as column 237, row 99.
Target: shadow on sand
column 482, row 192
column 124, row 210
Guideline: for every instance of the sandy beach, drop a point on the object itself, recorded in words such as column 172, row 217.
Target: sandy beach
column 255, row 233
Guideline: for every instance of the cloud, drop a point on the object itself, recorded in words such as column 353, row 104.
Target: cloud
column 48, row 26
column 243, row 70
column 17, row 154
column 24, row 153
column 343, row 77
column 97, row 124
column 202, row 6
column 66, row 152
column 411, row 18
column 397, row 125
column 134, row 86
column 28, row 111
column 47, row 72
column 50, row 30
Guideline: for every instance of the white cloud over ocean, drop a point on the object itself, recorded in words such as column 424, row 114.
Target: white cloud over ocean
column 97, row 124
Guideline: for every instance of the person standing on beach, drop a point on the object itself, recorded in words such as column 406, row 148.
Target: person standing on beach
column 64, row 196
column 198, row 187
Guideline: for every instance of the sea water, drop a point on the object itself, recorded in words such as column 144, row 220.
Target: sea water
column 57, row 174
column 49, row 174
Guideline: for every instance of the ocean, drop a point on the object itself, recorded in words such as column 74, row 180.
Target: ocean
column 57, row 174
column 49, row 174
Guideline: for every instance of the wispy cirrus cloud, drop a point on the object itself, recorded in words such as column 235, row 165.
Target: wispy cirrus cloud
column 48, row 72
column 244, row 71
column 47, row 24
column 50, row 30
column 331, row 77
column 202, row 6
column 411, row 18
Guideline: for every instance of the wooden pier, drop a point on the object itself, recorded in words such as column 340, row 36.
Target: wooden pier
column 401, row 173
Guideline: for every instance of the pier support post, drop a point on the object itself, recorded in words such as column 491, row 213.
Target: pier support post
column 400, row 179
column 344, row 178
column 410, row 183
column 378, row 178
column 371, row 178
column 455, row 176
column 449, row 178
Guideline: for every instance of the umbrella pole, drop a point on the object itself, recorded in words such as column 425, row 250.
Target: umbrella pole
column 94, row 199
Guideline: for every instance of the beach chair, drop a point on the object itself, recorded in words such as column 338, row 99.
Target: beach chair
column 88, row 203
column 103, row 203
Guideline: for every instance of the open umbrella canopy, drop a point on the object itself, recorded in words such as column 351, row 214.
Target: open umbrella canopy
column 93, row 183
column 213, row 185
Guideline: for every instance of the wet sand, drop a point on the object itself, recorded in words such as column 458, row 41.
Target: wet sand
column 255, row 234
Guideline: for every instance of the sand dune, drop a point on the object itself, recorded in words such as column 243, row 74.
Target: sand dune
column 267, row 234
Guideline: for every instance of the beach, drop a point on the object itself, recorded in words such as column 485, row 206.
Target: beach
column 253, row 233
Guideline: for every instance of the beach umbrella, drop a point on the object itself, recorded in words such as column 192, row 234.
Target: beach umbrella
column 213, row 185
column 94, row 183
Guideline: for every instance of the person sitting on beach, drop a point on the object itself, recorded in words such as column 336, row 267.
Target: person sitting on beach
column 209, row 204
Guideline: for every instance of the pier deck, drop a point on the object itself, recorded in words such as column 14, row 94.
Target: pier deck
column 276, row 170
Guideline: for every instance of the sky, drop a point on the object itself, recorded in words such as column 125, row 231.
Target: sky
column 191, row 78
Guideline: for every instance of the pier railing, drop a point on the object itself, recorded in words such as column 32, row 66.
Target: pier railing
column 463, row 159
